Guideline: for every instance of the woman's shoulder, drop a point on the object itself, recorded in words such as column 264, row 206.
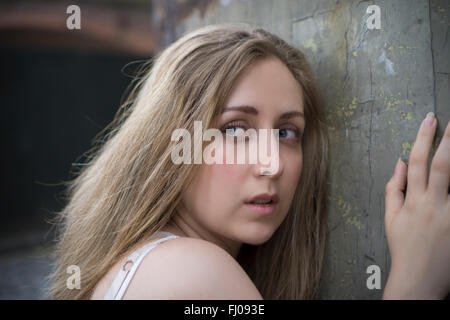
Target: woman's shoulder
column 189, row 268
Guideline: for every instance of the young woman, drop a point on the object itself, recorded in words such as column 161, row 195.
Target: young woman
column 141, row 227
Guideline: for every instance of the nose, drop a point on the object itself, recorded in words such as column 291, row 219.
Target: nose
column 269, row 162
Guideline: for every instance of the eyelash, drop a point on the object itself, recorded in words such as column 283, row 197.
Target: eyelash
column 239, row 124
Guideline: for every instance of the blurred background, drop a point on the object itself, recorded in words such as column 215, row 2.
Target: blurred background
column 60, row 87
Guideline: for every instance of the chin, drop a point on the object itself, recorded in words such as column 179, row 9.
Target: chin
column 258, row 237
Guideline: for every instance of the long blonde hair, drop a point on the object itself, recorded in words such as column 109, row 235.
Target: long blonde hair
column 128, row 189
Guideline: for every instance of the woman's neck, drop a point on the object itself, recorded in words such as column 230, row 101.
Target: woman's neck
column 182, row 228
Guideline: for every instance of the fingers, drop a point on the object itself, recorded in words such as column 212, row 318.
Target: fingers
column 440, row 168
column 394, row 197
column 418, row 160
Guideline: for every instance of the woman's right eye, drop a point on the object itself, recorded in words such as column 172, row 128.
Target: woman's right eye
column 234, row 129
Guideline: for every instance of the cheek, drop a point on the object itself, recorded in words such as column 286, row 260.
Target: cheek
column 214, row 186
column 225, row 188
column 226, row 176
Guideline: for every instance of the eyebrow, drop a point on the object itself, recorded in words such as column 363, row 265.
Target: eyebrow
column 252, row 110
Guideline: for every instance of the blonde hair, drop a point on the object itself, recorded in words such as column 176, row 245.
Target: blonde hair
column 129, row 188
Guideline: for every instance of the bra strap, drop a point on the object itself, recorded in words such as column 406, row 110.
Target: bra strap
column 125, row 274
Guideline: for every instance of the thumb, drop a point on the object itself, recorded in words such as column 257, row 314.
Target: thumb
column 394, row 197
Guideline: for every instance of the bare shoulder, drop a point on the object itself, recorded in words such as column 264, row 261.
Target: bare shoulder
column 187, row 268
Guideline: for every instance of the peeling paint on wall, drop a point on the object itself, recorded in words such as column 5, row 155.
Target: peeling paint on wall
column 389, row 65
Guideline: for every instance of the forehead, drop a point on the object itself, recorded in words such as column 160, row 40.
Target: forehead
column 267, row 83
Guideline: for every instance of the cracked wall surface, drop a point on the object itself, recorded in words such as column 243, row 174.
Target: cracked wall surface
column 377, row 86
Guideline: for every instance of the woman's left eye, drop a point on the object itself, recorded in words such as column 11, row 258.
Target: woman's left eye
column 234, row 129
column 289, row 134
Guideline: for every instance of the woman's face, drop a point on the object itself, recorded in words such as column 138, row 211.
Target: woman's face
column 215, row 205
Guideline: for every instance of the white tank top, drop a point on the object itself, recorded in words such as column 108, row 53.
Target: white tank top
column 126, row 272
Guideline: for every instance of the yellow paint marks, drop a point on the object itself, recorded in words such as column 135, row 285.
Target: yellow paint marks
column 407, row 49
column 353, row 105
column 310, row 44
column 391, row 48
column 394, row 104
column 392, row 101
column 355, row 54
column 354, row 221
column 405, row 115
column 393, row 134
column 345, row 208
column 347, row 111
column 442, row 15
column 406, row 146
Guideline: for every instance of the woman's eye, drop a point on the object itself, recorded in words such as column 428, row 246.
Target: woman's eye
column 289, row 134
column 234, row 129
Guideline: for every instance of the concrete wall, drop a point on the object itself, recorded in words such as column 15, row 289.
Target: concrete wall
column 377, row 86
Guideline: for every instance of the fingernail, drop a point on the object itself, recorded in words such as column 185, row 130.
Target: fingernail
column 429, row 119
column 397, row 166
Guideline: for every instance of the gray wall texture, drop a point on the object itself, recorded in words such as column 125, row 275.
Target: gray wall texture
column 377, row 85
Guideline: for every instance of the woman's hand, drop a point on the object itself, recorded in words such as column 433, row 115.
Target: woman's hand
column 418, row 226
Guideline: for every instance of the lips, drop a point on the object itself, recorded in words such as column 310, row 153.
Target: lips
column 263, row 204
column 263, row 199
